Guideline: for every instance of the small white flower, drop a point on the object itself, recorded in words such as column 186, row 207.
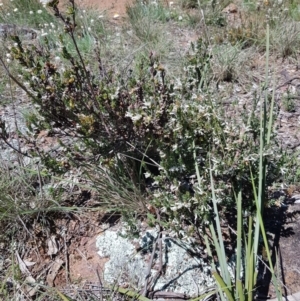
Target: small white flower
column 136, row 117
column 100, row 17
column 89, row 29
column 31, row 12
column 15, row 10
column 147, row 175
column 133, row 117
column 44, row 34
column 39, row 11
column 147, row 104
column 116, row 16
column 180, row 18
column 8, row 61
column 45, row 2
column 92, row 21
column 283, row 171
column 1, row 4
column 171, row 3
column 57, row 58
column 174, row 188
column 8, row 14
column 8, row 55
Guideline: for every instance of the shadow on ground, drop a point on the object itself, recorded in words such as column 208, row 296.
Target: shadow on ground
column 283, row 228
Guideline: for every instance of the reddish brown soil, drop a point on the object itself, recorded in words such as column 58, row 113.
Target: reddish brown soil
column 111, row 6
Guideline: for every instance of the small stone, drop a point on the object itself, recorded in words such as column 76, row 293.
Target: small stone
column 296, row 197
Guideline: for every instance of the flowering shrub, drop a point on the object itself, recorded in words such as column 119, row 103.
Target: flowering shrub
column 167, row 126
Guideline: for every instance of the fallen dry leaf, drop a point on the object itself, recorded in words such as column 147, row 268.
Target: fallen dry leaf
column 53, row 271
column 52, row 245
column 29, row 263
column 31, row 287
column 22, row 265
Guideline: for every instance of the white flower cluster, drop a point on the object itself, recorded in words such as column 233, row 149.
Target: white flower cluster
column 45, row 2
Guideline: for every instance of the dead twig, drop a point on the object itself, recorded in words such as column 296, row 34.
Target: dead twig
column 148, row 274
column 101, row 285
column 66, row 257
column 160, row 270
column 288, row 82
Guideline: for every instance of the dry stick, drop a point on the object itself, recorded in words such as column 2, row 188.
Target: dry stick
column 71, row 34
column 169, row 295
column 66, row 259
column 92, row 290
column 41, row 186
column 12, row 147
column 17, row 81
column 160, row 253
column 27, row 92
column 23, row 224
column 101, row 285
column 16, row 123
column 40, row 181
column 44, row 270
column 154, row 163
column 288, row 82
column 165, row 295
column 159, row 240
column 267, row 267
column 159, row 243
column 145, row 290
column 89, row 83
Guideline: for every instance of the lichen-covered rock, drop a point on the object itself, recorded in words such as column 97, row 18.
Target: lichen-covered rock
column 127, row 265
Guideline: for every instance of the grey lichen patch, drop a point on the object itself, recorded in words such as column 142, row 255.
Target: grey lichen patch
column 182, row 273
column 124, row 265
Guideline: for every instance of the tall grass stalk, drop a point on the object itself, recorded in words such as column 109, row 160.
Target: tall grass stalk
column 248, row 233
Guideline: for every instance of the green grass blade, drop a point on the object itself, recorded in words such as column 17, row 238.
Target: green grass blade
column 239, row 236
column 250, row 277
column 213, row 267
column 220, row 246
column 205, row 295
column 240, row 291
column 223, row 285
